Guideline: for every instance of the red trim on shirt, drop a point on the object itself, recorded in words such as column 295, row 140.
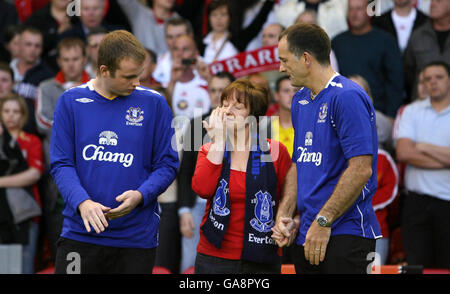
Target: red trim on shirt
column 204, row 183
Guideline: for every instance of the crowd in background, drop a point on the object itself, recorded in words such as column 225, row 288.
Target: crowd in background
column 44, row 51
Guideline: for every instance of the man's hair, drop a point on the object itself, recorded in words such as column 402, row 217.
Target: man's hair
column 179, row 21
column 309, row 38
column 278, row 82
column 224, row 75
column 22, row 105
column 116, row 46
column 6, row 68
column 253, row 96
column 152, row 54
column 71, row 42
column 444, row 64
column 32, row 30
column 97, row 31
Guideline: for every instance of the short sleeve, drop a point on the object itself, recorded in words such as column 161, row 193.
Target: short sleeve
column 406, row 128
column 354, row 120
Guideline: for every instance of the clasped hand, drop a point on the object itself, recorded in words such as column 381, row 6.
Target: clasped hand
column 95, row 214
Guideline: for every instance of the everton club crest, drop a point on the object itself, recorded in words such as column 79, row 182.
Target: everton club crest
column 134, row 116
column 323, row 113
column 263, row 220
column 220, row 200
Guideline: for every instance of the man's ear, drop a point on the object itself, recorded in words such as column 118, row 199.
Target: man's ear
column 104, row 71
column 308, row 58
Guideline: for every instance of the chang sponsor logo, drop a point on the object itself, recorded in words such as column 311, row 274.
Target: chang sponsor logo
column 305, row 156
column 93, row 152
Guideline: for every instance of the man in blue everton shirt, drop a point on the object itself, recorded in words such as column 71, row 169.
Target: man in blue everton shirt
column 111, row 157
column 333, row 176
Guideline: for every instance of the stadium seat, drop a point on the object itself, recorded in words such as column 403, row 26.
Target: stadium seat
column 160, row 270
column 287, row 269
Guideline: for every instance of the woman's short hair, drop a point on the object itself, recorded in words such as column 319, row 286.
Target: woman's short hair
column 254, row 97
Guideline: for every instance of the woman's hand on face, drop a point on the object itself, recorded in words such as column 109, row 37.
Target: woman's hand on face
column 216, row 128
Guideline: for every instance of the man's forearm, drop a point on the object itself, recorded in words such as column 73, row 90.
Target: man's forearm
column 408, row 152
column 288, row 202
column 348, row 189
column 439, row 153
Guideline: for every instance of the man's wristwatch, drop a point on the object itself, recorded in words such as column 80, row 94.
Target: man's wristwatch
column 323, row 221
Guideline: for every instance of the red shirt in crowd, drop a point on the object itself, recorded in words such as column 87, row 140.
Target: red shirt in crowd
column 31, row 147
column 204, row 183
column 387, row 189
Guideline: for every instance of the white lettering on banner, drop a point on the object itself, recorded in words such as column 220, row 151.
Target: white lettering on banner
column 98, row 154
column 266, row 240
column 305, row 156
column 245, row 63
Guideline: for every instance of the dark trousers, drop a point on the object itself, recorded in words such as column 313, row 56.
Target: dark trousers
column 206, row 264
column 346, row 254
column 168, row 253
column 426, row 230
column 73, row 257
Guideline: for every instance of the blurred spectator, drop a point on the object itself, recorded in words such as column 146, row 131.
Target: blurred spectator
column 282, row 129
column 8, row 17
column 310, row 16
column 174, row 28
column 29, row 71
column 94, row 38
column 424, row 136
column 248, row 19
column 186, row 88
column 384, row 124
column 271, row 32
column 401, row 21
column 331, row 14
column 307, row 16
column 191, row 207
column 146, row 78
column 387, row 177
column 195, row 12
column 374, row 55
column 92, row 15
column 25, row 8
column 421, row 95
column 148, row 22
column 10, row 46
column 13, row 115
column 217, row 45
column 6, row 80
column 428, row 43
column 51, row 20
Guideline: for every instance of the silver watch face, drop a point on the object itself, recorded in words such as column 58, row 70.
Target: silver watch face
column 322, row 221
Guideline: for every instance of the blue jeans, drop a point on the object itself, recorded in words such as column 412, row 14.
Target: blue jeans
column 189, row 245
column 29, row 250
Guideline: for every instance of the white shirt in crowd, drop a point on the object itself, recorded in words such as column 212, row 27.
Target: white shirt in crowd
column 218, row 50
column 403, row 26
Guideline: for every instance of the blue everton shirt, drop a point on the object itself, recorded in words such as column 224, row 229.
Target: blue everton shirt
column 337, row 125
column 101, row 148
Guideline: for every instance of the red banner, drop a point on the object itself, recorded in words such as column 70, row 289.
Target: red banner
column 246, row 63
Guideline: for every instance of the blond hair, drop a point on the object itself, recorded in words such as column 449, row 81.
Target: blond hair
column 116, row 46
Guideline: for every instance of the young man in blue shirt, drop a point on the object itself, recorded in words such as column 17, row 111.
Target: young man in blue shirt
column 333, row 175
column 111, row 157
